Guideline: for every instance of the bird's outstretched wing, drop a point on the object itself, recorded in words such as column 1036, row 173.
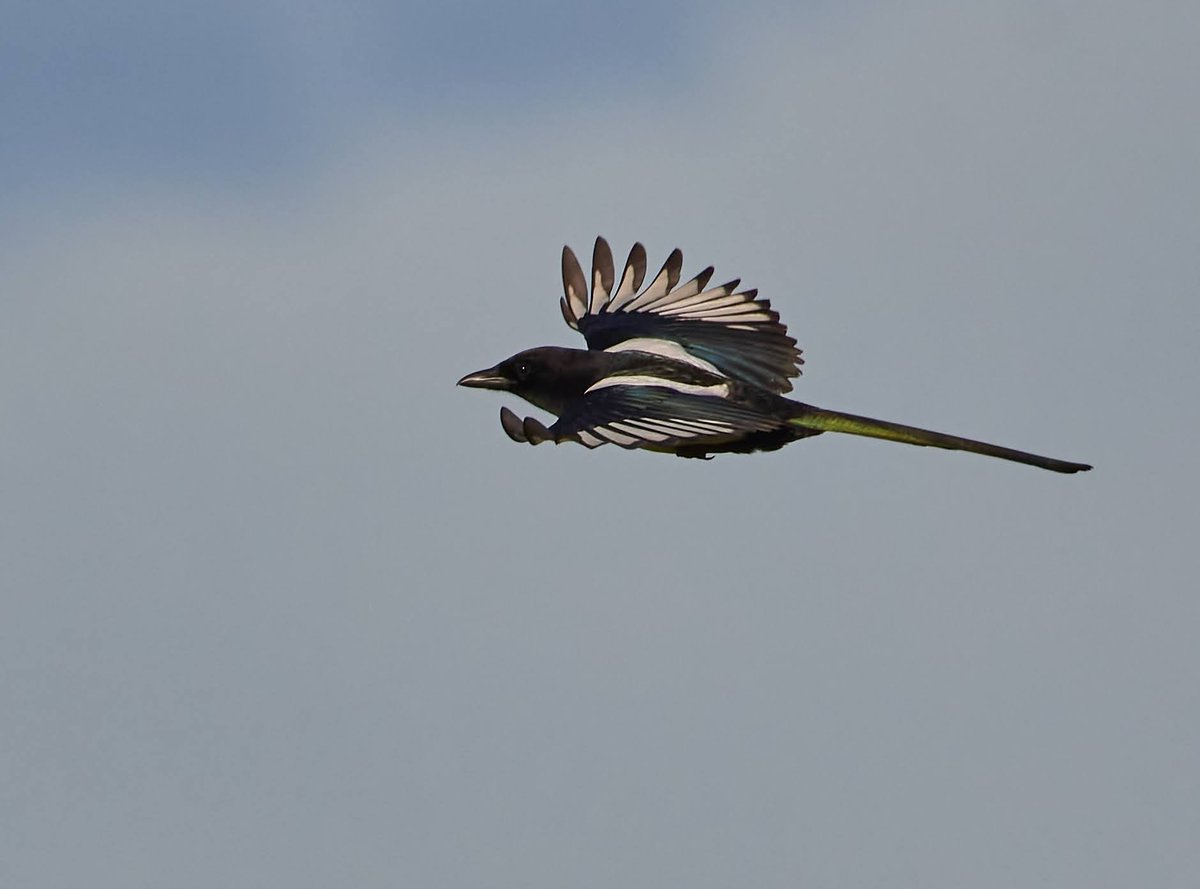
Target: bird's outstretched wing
column 720, row 328
column 639, row 416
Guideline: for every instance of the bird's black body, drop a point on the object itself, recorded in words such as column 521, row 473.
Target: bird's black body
column 685, row 370
column 557, row 380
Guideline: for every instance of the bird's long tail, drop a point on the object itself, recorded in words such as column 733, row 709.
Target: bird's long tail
column 819, row 419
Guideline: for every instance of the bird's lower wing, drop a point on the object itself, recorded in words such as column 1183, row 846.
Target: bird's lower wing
column 819, row 419
column 653, row 417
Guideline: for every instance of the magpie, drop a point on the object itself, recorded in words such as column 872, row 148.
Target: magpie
column 687, row 369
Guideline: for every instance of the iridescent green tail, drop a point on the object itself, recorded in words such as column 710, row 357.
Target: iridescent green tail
column 809, row 417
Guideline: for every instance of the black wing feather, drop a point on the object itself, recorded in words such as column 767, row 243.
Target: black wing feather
column 652, row 416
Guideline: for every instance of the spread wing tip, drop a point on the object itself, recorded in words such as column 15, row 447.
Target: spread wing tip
column 741, row 328
column 525, row 431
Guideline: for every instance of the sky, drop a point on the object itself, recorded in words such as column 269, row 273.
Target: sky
column 282, row 606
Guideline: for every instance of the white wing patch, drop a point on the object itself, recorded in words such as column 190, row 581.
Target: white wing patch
column 721, row 390
column 634, row 428
column 702, row 427
column 640, row 430
column 665, row 348
column 617, row 438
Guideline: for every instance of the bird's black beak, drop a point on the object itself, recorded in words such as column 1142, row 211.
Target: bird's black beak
column 486, row 379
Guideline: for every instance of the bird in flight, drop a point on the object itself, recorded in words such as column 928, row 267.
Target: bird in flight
column 685, row 369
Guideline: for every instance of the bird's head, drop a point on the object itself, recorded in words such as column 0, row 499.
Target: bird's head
column 546, row 376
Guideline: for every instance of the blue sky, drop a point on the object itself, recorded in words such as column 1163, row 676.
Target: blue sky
column 235, row 92
column 284, row 606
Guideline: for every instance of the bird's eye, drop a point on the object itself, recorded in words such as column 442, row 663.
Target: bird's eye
column 522, row 369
